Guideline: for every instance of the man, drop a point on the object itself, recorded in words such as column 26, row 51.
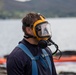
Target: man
column 32, row 56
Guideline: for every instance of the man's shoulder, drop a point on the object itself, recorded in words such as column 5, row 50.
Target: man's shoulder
column 18, row 56
column 17, row 53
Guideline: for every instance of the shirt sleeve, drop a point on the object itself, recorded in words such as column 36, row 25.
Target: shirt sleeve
column 14, row 66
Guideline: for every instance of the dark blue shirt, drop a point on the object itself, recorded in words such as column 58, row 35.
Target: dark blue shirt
column 18, row 63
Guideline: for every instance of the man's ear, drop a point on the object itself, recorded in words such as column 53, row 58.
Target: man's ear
column 28, row 30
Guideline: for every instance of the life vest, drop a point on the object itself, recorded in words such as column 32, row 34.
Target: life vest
column 33, row 58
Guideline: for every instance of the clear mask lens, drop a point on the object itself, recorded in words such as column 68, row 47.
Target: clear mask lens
column 44, row 30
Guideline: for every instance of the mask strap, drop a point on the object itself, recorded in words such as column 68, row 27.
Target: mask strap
column 29, row 36
column 42, row 18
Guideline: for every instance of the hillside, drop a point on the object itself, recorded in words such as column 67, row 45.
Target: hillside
column 50, row 8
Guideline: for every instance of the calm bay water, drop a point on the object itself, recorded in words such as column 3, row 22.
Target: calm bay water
column 63, row 33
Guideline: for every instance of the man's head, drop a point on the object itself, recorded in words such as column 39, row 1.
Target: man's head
column 29, row 20
column 35, row 26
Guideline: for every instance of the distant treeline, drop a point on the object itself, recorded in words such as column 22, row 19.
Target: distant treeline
column 10, row 15
column 19, row 14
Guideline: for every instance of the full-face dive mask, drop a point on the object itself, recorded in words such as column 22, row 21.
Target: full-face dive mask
column 42, row 29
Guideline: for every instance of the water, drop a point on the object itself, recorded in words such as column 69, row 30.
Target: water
column 10, row 35
column 63, row 33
